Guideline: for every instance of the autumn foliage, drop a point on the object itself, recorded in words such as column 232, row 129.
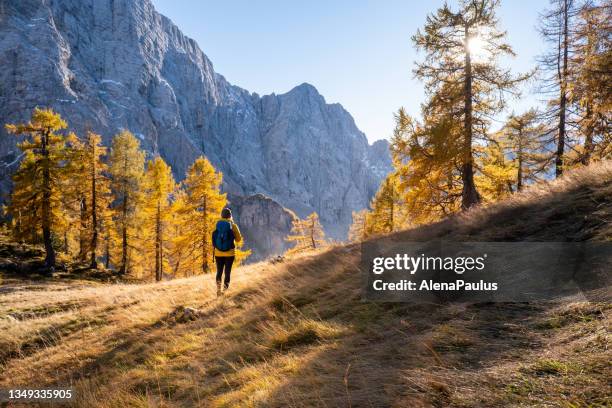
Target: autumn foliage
column 111, row 208
column 456, row 154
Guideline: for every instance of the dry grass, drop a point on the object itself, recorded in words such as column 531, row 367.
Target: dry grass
column 577, row 207
column 296, row 334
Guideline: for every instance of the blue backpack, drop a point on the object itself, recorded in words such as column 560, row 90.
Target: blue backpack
column 223, row 236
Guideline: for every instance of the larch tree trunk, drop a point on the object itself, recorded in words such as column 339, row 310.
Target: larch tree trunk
column 563, row 94
column 519, row 174
column 158, row 244
column 204, row 238
column 124, row 238
column 46, row 205
column 588, row 136
column 94, row 212
column 83, row 229
column 312, row 234
column 469, row 195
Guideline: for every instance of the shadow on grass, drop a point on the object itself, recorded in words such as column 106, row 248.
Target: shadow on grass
column 388, row 341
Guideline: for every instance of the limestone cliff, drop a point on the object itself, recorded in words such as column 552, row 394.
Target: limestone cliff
column 113, row 64
column 264, row 224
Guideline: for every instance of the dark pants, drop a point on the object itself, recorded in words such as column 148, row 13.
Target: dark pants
column 224, row 263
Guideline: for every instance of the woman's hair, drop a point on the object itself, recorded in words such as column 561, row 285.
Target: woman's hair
column 226, row 213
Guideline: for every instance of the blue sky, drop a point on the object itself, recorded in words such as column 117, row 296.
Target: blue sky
column 356, row 52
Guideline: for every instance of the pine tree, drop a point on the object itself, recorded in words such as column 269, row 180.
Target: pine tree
column 126, row 170
column 200, row 210
column 159, row 185
column 36, row 199
column 307, row 234
column 462, row 76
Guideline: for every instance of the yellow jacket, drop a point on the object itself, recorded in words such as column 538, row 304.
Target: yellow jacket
column 237, row 238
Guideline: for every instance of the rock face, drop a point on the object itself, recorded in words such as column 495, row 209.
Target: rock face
column 112, row 64
column 264, row 224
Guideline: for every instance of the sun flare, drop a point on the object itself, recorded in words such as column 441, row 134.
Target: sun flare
column 477, row 47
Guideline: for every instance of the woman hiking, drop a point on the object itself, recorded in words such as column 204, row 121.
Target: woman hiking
column 224, row 239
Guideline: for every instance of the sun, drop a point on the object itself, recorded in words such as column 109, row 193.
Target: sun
column 477, row 47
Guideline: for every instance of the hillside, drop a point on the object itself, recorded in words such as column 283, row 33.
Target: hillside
column 297, row 334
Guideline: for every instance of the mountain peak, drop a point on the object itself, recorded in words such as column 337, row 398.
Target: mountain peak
column 306, row 88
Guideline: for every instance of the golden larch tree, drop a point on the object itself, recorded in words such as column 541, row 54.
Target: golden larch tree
column 126, row 170
column 462, row 74
column 36, row 199
column 307, row 234
column 97, row 191
column 159, row 185
column 524, row 142
column 495, row 178
column 201, row 206
column 387, row 214
column 181, row 263
column 589, row 86
column 75, row 197
column 358, row 230
column 556, row 70
column 427, row 165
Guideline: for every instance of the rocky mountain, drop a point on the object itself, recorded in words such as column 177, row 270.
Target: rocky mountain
column 264, row 224
column 112, row 64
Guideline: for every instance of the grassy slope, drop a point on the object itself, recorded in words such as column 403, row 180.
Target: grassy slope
column 297, row 334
